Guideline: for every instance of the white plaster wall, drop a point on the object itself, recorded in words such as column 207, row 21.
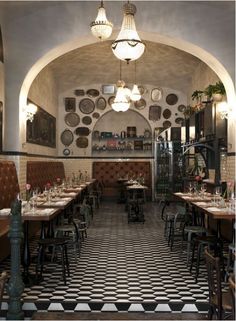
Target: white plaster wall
column 118, row 126
column 32, row 29
column 43, row 92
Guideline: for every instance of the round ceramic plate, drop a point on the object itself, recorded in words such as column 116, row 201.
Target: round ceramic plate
column 96, row 115
column 86, row 106
column 156, row 94
column 87, row 120
column 111, row 100
column 92, row 93
column 142, row 90
column 172, row 99
column 140, row 104
column 67, row 137
column 166, row 113
column 101, row 103
column 179, row 121
column 82, row 131
column 181, row 108
column 82, row 142
column 66, row 152
column 166, row 124
column 72, row 119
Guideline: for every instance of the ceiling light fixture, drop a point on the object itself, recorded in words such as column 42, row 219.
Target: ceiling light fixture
column 101, row 28
column 128, row 46
column 135, row 93
column 122, row 99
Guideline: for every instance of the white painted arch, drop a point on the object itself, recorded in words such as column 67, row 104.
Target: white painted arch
column 79, row 42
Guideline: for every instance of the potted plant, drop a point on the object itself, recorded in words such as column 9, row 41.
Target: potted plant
column 215, row 92
column 197, row 95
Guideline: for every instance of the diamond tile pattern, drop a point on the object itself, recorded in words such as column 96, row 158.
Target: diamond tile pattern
column 122, row 267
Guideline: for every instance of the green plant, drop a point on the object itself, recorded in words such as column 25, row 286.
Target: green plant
column 197, row 94
column 218, row 88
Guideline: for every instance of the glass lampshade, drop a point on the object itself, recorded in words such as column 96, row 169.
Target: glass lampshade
column 121, row 101
column 101, row 28
column 128, row 46
column 135, row 93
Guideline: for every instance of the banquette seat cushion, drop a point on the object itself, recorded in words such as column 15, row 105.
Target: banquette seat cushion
column 109, row 172
column 9, row 188
column 39, row 173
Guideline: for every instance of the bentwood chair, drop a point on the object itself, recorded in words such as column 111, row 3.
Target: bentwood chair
column 220, row 303
column 3, row 279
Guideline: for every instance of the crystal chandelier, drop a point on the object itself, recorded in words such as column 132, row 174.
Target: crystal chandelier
column 101, row 28
column 122, row 99
column 128, row 46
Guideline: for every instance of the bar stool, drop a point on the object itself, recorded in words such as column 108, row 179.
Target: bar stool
column 58, row 244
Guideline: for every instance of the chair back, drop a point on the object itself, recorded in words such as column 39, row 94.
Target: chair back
column 3, row 279
column 214, row 280
column 232, row 292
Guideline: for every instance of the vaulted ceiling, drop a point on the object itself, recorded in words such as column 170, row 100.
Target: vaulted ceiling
column 160, row 65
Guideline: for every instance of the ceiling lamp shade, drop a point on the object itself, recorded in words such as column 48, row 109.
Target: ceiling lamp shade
column 128, row 46
column 31, row 110
column 101, row 28
column 121, row 101
column 135, row 93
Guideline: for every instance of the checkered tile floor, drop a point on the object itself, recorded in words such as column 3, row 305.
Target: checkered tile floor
column 122, row 267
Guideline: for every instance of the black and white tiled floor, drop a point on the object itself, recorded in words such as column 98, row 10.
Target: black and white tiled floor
column 122, row 267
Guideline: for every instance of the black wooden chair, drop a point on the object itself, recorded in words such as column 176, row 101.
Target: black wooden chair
column 220, row 303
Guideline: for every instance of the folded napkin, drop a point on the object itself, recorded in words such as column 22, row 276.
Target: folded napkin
column 5, row 211
column 202, row 204
column 216, row 209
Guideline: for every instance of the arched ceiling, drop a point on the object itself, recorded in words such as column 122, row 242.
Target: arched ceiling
column 161, row 65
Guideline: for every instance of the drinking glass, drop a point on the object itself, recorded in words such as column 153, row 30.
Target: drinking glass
column 203, row 189
column 190, row 187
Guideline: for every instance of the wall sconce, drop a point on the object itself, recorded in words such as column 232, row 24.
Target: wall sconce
column 223, row 109
column 31, row 110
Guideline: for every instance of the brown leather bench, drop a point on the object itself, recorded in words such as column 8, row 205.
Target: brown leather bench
column 39, row 173
column 109, row 172
column 9, row 188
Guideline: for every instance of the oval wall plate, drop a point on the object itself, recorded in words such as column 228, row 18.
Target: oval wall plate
column 101, row 103
column 82, row 131
column 82, row 142
column 166, row 113
column 67, row 137
column 72, row 119
column 86, row 106
column 156, row 94
column 172, row 99
column 92, row 93
column 87, row 120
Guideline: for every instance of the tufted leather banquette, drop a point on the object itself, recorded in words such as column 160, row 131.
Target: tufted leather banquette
column 108, row 172
column 39, row 173
column 9, row 188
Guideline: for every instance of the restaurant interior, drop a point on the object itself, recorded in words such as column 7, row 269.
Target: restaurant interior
column 117, row 160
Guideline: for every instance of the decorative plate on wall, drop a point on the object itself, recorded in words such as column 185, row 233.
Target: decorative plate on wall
column 86, row 106
column 96, row 115
column 66, row 152
column 140, row 104
column 72, row 119
column 87, row 120
column 166, row 113
column 172, row 99
column 96, row 134
column 111, row 100
column 154, row 112
column 142, row 90
column 82, row 131
column 67, row 137
column 101, row 103
column 181, row 108
column 156, row 94
column 92, row 93
column 82, row 142
column 79, row 92
column 166, row 124
column 179, row 120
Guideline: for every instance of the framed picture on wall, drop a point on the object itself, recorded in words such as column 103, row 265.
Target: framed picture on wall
column 108, row 89
column 70, row 104
column 42, row 130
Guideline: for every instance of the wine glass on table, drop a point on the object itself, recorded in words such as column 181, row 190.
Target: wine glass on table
column 190, row 187
column 218, row 192
column 203, row 189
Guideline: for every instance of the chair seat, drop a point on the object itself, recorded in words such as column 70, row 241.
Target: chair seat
column 195, row 229
column 53, row 241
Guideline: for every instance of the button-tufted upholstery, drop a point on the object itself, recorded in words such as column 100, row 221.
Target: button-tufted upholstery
column 39, row 173
column 108, row 173
column 9, row 188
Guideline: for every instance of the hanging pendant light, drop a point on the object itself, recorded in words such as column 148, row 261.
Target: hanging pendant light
column 101, row 28
column 135, row 93
column 128, row 46
column 122, row 99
